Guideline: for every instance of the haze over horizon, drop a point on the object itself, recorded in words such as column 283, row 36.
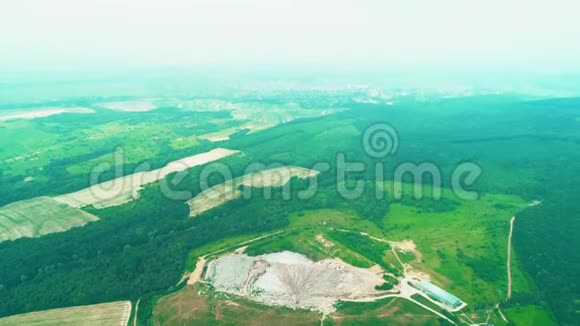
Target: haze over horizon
column 520, row 36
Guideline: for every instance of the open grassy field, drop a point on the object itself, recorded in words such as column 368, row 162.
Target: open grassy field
column 529, row 315
column 39, row 216
column 391, row 311
column 26, row 155
column 461, row 243
column 79, row 142
column 105, row 314
column 138, row 142
column 316, row 243
column 184, row 142
column 30, row 148
column 199, row 305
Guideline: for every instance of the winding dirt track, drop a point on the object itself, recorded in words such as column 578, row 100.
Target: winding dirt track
column 509, row 258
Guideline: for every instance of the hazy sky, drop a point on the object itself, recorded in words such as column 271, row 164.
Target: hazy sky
column 492, row 34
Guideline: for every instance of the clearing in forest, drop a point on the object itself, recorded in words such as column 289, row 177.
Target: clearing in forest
column 43, row 215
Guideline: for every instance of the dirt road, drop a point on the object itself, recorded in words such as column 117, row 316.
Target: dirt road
column 406, row 293
column 197, row 272
column 501, row 313
column 509, row 258
column 136, row 310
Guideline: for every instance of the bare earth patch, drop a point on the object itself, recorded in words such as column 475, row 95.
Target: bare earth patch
column 322, row 240
column 407, row 246
column 195, row 276
column 225, row 134
column 219, row 135
column 240, row 250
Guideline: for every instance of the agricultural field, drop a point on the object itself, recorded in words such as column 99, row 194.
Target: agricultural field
column 105, row 314
column 126, row 188
column 68, row 142
column 258, row 112
column 230, row 190
column 94, row 145
column 39, row 216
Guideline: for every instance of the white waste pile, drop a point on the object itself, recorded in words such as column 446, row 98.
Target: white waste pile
column 290, row 279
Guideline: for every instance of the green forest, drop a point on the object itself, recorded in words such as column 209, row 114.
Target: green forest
column 528, row 149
